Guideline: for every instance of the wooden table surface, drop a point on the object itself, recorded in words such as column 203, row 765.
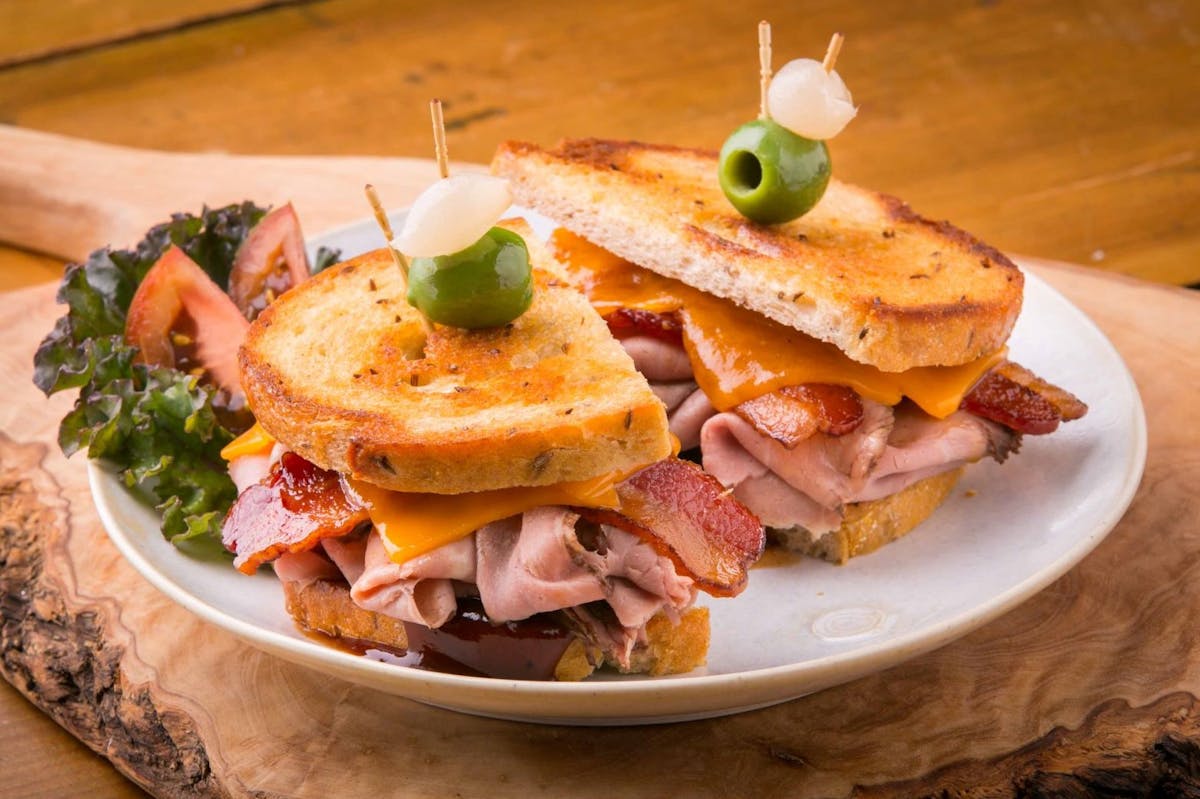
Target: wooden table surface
column 1065, row 130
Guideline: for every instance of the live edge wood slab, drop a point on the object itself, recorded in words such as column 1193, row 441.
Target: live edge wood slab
column 1088, row 689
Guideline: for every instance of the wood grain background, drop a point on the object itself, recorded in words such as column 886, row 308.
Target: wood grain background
column 1066, row 129
column 1063, row 129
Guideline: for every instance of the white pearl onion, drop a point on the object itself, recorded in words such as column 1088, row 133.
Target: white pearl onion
column 453, row 214
column 808, row 101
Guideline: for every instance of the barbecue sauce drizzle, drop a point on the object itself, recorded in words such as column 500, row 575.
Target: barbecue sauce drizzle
column 471, row 644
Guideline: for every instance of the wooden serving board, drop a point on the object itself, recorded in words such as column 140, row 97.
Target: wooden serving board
column 1089, row 688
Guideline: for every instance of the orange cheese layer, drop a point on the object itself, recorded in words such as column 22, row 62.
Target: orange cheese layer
column 738, row 355
column 413, row 524
column 255, row 441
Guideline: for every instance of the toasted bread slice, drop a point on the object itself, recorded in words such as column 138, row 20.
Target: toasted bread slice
column 870, row 525
column 333, row 370
column 326, row 607
column 861, row 270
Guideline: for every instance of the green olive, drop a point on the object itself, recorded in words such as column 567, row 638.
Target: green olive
column 487, row 284
column 770, row 174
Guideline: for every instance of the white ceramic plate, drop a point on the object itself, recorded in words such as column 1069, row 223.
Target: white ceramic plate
column 1006, row 533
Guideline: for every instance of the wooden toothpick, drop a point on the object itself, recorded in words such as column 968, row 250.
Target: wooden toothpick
column 439, row 137
column 764, row 67
column 831, row 54
column 384, row 224
column 397, row 257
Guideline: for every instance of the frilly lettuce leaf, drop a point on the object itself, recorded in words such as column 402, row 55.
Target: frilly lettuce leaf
column 158, row 425
column 97, row 292
column 211, row 239
column 325, row 258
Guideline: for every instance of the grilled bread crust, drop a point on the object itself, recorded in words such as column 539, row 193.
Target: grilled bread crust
column 325, row 607
column 861, row 270
column 870, row 525
column 333, row 370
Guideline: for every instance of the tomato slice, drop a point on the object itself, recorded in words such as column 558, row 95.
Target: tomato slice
column 180, row 318
column 270, row 261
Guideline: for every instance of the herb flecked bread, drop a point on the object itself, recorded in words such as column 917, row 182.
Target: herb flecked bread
column 861, row 270
column 335, row 370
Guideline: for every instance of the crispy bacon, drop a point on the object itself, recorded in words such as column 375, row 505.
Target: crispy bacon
column 626, row 322
column 1017, row 398
column 296, row 506
column 687, row 516
column 793, row 413
column 1008, row 394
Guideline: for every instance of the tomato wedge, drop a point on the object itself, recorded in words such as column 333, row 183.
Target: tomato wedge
column 180, row 318
column 270, row 261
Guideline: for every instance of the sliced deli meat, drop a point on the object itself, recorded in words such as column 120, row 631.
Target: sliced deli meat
column 544, row 565
column 797, row 455
column 541, row 561
column 349, row 553
column 420, row 590
column 921, row 446
column 305, row 567
column 658, row 360
column 829, row 468
column 665, row 364
column 688, row 418
column 809, row 484
column 526, row 566
column 673, row 394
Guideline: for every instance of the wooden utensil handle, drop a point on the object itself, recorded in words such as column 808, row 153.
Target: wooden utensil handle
column 66, row 197
column 52, row 193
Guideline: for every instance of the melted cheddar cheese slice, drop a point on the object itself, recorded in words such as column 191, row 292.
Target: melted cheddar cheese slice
column 738, row 355
column 413, row 524
column 255, row 441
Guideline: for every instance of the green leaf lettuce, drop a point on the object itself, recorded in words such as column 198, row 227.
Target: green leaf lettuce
column 157, row 425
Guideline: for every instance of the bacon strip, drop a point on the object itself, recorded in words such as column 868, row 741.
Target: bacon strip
column 1008, row 394
column 793, row 413
column 689, row 517
column 626, row 322
column 290, row 511
column 810, row 485
column 1017, row 398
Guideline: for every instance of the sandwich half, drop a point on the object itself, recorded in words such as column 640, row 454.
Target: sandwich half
column 836, row 372
column 503, row 502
